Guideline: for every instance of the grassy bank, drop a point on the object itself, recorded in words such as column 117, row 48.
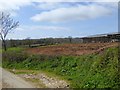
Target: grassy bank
column 86, row 71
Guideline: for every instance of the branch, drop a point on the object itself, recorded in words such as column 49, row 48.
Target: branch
column 7, row 24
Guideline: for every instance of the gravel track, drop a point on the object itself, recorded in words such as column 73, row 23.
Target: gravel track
column 9, row 80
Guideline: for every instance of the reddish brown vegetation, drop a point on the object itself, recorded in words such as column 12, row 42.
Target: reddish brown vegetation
column 71, row 49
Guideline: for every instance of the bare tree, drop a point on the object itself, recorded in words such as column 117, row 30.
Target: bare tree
column 7, row 24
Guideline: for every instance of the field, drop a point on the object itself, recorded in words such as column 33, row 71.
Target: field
column 90, row 65
column 71, row 49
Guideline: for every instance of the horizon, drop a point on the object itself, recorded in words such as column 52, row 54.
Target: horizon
column 61, row 19
column 96, row 35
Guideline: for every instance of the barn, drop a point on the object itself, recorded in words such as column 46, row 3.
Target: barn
column 114, row 37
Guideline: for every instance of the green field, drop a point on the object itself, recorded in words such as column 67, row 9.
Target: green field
column 85, row 71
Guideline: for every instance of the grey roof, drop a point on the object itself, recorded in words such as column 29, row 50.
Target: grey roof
column 99, row 35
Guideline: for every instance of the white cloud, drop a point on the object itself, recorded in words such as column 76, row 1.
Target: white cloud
column 16, row 4
column 111, row 5
column 48, row 6
column 36, row 31
column 81, row 12
column 53, row 28
column 13, row 4
column 75, row 0
column 52, row 5
column 35, row 27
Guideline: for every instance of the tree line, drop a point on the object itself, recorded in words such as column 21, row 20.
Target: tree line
column 41, row 42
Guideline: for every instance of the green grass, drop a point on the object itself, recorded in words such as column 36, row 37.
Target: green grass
column 0, row 50
column 86, row 71
column 0, row 64
column 15, row 49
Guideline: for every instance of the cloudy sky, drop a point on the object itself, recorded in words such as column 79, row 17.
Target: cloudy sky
column 76, row 18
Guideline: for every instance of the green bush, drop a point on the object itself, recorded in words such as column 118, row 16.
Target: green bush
column 14, row 57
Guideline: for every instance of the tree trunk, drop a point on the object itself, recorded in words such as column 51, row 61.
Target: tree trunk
column 70, row 39
column 4, row 45
column 29, row 45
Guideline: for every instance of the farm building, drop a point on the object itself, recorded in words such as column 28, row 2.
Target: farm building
column 115, row 37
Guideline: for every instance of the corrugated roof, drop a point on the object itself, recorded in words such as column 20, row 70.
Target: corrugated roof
column 100, row 35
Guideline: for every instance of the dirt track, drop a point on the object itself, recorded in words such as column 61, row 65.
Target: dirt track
column 10, row 80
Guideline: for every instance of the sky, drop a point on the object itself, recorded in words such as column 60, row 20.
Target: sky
column 60, row 18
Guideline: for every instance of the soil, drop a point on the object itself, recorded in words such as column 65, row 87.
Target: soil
column 71, row 49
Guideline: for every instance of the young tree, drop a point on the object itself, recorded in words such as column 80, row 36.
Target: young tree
column 28, row 41
column 70, row 39
column 7, row 24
